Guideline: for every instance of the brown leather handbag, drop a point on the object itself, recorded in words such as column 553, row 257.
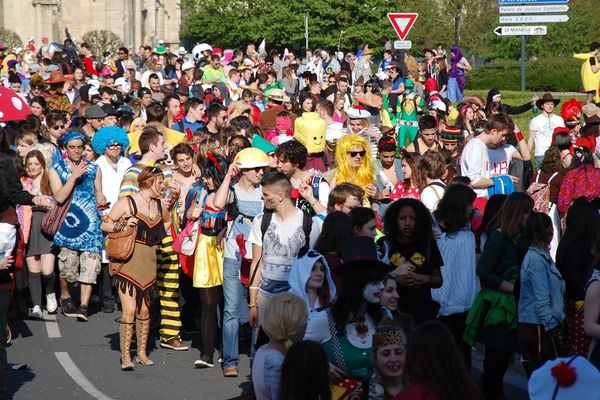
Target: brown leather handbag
column 120, row 245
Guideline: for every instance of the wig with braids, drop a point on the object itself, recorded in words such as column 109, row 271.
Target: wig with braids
column 344, row 172
column 215, row 167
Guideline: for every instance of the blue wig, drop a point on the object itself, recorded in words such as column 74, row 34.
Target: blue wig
column 107, row 136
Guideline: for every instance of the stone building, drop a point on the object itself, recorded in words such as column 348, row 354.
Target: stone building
column 136, row 22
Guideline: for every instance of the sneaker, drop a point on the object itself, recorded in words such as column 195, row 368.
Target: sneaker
column 174, row 344
column 35, row 312
column 68, row 308
column 204, row 362
column 82, row 313
column 231, row 372
column 109, row 307
column 51, row 305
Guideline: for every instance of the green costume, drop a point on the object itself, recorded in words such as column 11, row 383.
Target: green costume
column 407, row 114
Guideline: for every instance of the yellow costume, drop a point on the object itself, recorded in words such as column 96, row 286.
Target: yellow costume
column 172, row 137
column 589, row 78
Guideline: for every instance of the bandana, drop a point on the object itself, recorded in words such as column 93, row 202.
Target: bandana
column 71, row 135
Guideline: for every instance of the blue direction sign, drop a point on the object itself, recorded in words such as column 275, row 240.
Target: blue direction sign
column 531, row 1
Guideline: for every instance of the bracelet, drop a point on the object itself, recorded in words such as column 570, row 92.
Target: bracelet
column 519, row 135
column 254, row 287
column 252, row 305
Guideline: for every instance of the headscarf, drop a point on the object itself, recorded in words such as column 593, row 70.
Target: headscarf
column 70, row 136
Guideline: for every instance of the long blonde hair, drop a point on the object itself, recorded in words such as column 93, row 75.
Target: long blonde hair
column 344, row 172
column 285, row 318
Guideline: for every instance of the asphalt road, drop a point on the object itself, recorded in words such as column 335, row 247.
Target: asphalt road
column 67, row 359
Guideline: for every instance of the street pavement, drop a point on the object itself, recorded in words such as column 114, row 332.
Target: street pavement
column 68, row 359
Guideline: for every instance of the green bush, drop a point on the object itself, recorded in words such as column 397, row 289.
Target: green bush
column 544, row 74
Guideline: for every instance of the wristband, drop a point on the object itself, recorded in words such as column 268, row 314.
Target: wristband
column 252, row 305
column 253, row 287
column 519, row 135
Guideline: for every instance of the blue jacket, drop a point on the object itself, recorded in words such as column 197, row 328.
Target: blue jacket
column 541, row 300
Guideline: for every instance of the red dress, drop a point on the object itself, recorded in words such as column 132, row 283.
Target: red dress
column 417, row 390
column 581, row 181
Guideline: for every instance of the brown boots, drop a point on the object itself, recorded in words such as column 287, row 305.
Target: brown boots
column 125, row 334
column 142, row 328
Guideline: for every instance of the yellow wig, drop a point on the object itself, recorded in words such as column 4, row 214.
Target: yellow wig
column 344, row 172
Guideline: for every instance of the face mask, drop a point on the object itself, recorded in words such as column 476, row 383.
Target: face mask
column 372, row 292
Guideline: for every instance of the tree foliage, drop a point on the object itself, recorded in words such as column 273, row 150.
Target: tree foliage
column 281, row 23
column 10, row 38
column 101, row 41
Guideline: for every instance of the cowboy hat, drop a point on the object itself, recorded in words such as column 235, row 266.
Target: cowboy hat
column 56, row 77
column 278, row 95
column 367, row 52
column 182, row 51
column 546, row 98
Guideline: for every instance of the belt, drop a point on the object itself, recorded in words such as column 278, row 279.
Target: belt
column 407, row 123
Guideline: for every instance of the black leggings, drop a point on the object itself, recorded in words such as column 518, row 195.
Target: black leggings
column 495, row 364
column 210, row 298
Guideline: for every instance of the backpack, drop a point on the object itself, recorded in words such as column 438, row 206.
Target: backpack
column 306, row 227
column 540, row 193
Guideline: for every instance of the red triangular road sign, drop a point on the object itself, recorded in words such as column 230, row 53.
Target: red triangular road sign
column 402, row 23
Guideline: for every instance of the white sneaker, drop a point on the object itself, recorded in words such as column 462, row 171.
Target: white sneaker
column 36, row 312
column 51, row 304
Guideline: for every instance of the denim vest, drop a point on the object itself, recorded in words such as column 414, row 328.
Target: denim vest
column 541, row 300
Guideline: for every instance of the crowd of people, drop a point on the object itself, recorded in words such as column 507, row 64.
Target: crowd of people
column 369, row 221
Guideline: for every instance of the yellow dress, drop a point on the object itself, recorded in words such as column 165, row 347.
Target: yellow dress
column 589, row 78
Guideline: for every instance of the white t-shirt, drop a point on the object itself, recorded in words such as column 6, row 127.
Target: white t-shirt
column 111, row 179
column 432, row 194
column 544, row 126
column 474, row 163
column 282, row 242
column 500, row 158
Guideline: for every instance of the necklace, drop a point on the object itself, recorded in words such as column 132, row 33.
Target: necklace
column 148, row 205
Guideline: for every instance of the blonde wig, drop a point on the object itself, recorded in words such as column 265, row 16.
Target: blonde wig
column 362, row 176
column 285, row 318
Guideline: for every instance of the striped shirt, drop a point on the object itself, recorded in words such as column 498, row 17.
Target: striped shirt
column 129, row 185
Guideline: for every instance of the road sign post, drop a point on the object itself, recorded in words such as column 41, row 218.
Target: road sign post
column 518, row 13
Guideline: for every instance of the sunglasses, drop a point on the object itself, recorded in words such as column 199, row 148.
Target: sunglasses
column 58, row 127
column 255, row 169
column 357, row 153
column 114, row 146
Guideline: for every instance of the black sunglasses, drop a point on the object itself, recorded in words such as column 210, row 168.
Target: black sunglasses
column 58, row 127
column 357, row 153
column 255, row 169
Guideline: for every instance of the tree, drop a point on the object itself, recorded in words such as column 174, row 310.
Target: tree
column 10, row 38
column 101, row 41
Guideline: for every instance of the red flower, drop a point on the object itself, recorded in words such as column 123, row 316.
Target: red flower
column 362, row 329
column 564, row 374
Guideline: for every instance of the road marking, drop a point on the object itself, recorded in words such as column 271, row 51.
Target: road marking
column 75, row 373
column 52, row 326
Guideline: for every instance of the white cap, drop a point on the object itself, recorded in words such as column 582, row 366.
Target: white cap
column 437, row 105
column 123, row 82
column 187, row 65
column 355, row 113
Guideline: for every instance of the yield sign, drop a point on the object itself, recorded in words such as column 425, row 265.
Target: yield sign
column 402, row 23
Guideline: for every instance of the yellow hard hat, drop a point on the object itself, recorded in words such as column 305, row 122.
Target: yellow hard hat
column 252, row 157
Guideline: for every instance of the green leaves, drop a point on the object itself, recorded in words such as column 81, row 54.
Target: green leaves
column 281, row 23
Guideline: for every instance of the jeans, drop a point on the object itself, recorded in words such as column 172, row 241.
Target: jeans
column 454, row 93
column 236, row 308
column 4, row 303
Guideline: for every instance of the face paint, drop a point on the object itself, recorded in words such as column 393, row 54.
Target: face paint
column 372, row 292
